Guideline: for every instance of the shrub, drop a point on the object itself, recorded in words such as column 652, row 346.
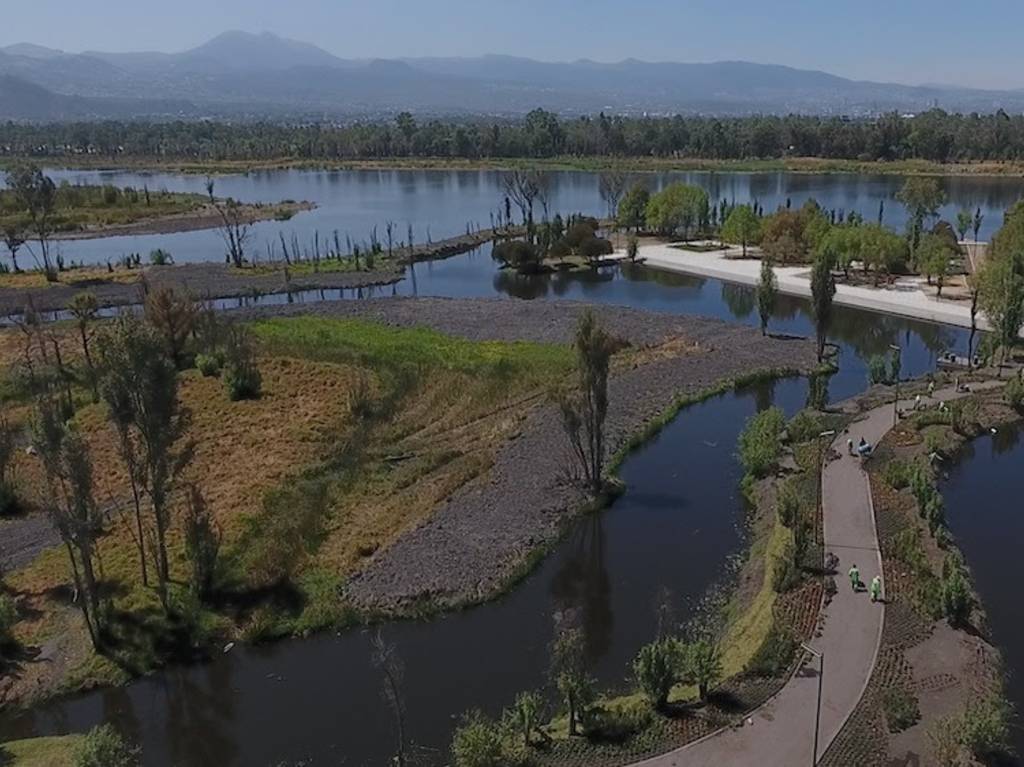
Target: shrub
column 103, row 746
column 8, row 617
column 595, row 247
column 210, row 364
column 702, row 665
column 632, row 247
column 787, row 505
column 897, row 474
column 478, row 742
column 241, row 374
column 803, row 427
column 1014, row 394
column 901, row 709
column 760, row 442
column 9, row 505
column 785, row 574
column 517, row 254
column 775, row 654
column 955, row 593
column 656, row 669
column 984, row 728
column 618, row 724
column 878, row 370
column 160, row 257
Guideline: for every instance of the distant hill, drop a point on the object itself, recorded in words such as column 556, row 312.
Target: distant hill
column 239, row 74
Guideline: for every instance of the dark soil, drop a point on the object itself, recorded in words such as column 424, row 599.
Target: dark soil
column 484, row 535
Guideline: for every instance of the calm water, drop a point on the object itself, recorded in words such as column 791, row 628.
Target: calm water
column 318, row 699
column 353, row 202
column 983, row 506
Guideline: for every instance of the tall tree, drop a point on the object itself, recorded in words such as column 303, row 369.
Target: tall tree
column 141, row 387
column 85, row 308
column 767, row 292
column 741, row 225
column 632, row 209
column 922, row 197
column 38, row 196
column 611, row 185
column 823, row 290
column 583, row 416
column 964, row 222
column 67, row 470
column 234, row 226
column 933, row 258
column 570, row 677
column 1001, row 295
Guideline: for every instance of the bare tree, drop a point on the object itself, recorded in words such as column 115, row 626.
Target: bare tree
column 234, row 226
column 387, row 661
column 389, row 231
column 611, row 185
column 521, row 187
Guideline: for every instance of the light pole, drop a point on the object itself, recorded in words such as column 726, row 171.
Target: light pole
column 896, row 365
column 817, row 713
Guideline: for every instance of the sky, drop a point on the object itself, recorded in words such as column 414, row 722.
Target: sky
column 906, row 41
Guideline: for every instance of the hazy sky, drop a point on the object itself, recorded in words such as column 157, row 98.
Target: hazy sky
column 910, row 41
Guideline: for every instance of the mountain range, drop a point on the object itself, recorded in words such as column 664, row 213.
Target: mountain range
column 242, row 75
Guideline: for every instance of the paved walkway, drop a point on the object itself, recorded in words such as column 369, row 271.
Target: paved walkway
column 907, row 297
column 781, row 732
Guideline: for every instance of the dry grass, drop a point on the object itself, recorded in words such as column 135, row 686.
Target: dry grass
column 83, row 277
column 437, row 429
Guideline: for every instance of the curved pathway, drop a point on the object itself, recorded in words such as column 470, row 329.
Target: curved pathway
column 781, row 733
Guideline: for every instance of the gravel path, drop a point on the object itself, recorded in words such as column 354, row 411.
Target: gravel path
column 473, row 544
column 22, row 539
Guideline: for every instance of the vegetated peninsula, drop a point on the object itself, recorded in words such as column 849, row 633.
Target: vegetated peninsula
column 79, row 211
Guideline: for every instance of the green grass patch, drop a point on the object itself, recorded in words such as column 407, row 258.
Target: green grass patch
column 417, row 349
column 40, row 752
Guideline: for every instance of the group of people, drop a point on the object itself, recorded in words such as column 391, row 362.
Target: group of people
column 863, row 449
column 875, row 588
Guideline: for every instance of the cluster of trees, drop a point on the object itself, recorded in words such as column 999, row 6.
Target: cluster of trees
column 934, row 135
column 131, row 366
column 556, row 239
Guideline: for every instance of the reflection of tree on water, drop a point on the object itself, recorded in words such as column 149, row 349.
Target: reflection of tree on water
column 872, row 334
column 739, row 298
column 119, row 711
column 764, row 393
column 641, row 273
column 199, row 717
column 581, row 589
column 533, row 286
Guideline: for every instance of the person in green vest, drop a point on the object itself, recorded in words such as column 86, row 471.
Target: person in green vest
column 876, row 588
column 855, row 577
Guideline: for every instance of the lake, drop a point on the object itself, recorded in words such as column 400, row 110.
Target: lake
column 678, row 526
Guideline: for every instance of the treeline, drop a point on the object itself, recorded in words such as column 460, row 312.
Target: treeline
column 935, row 135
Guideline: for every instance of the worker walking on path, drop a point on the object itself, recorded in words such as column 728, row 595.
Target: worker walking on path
column 855, row 578
column 876, row 588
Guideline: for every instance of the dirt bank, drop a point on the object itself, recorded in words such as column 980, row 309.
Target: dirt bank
column 482, row 537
